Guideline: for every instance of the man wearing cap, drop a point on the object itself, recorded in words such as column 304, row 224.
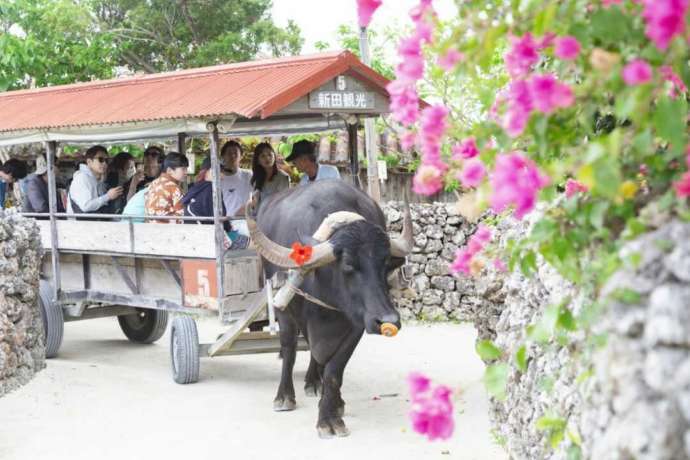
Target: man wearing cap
column 36, row 195
column 303, row 156
column 12, row 171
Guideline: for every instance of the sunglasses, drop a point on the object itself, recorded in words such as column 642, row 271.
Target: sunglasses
column 101, row 159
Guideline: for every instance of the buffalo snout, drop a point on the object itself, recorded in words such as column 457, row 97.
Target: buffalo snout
column 377, row 324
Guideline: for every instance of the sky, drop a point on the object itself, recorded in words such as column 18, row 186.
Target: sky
column 319, row 19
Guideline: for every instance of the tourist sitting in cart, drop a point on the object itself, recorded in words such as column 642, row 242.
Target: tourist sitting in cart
column 164, row 197
column 87, row 192
column 10, row 172
column 198, row 201
column 267, row 179
column 235, row 182
column 153, row 160
column 303, row 156
column 120, row 173
column 36, row 196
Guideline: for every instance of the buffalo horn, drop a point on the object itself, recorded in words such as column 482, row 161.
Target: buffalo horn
column 402, row 245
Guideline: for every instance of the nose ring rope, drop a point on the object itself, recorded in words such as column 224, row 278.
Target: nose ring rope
column 313, row 299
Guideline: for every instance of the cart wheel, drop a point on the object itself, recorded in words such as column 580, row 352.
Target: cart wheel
column 53, row 321
column 146, row 326
column 184, row 350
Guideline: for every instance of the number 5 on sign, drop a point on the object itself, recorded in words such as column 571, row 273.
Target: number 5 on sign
column 204, row 286
column 199, row 282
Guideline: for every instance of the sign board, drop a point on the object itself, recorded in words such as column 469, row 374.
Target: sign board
column 383, row 170
column 343, row 100
column 199, row 282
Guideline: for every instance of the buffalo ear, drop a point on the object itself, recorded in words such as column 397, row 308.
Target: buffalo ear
column 395, row 262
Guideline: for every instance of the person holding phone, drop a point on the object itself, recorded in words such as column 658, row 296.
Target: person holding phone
column 87, row 193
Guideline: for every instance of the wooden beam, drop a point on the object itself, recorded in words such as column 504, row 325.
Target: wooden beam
column 52, row 209
column 224, row 343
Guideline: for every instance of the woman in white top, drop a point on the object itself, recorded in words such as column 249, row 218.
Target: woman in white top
column 266, row 177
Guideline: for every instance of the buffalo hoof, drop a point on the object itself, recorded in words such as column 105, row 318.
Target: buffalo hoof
column 284, row 404
column 332, row 427
column 340, row 410
column 312, row 389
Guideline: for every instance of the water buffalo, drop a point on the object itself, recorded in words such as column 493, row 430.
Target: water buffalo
column 348, row 269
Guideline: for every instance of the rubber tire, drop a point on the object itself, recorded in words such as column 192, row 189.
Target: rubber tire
column 184, row 350
column 52, row 318
column 144, row 329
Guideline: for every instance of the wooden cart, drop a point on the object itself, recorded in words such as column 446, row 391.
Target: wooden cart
column 142, row 272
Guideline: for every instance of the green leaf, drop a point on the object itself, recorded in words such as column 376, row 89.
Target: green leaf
column 669, row 122
column 549, row 422
column 597, row 213
column 544, row 230
column 566, row 320
column 542, row 331
column 521, row 358
column 528, row 263
column 495, row 380
column 626, row 295
column 610, row 25
column 487, row 351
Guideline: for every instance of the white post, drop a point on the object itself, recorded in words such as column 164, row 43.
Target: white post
column 373, row 186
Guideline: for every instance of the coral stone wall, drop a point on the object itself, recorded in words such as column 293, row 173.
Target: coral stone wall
column 22, row 351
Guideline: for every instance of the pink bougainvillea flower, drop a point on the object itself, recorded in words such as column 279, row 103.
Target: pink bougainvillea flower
column 431, row 411
column 516, row 181
column 472, row 173
column 432, row 415
column 419, row 383
column 522, row 55
column 465, row 150
column 450, row 59
column 462, row 261
column 573, row 187
column 464, row 256
column 664, row 19
column 427, row 180
column 404, row 103
column 547, row 40
column 500, row 266
column 637, row 72
column 421, row 15
column 548, row 94
column 566, row 48
column 644, row 169
column 483, row 234
column 677, row 85
column 682, row 186
column 520, row 106
column 408, row 140
column 608, row 3
column 432, row 126
column 365, row 11
column 411, row 66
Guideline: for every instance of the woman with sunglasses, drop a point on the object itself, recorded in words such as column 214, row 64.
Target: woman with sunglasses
column 87, row 192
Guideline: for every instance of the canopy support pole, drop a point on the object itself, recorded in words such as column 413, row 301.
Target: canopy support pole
column 352, row 150
column 52, row 209
column 181, row 140
column 217, row 209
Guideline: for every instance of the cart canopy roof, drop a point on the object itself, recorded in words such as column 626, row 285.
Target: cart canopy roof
column 275, row 96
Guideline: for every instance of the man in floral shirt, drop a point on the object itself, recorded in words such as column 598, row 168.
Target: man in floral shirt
column 164, row 197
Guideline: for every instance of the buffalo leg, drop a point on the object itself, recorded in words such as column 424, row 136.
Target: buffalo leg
column 285, row 399
column 312, row 381
column 331, row 406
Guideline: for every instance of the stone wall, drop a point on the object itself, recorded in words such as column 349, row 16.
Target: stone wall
column 636, row 403
column 435, row 295
column 22, row 350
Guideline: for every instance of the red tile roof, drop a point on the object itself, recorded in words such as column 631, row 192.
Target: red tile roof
column 248, row 89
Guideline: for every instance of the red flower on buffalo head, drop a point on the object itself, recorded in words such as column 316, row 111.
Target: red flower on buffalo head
column 300, row 254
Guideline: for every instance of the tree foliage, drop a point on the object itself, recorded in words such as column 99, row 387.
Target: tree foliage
column 49, row 42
